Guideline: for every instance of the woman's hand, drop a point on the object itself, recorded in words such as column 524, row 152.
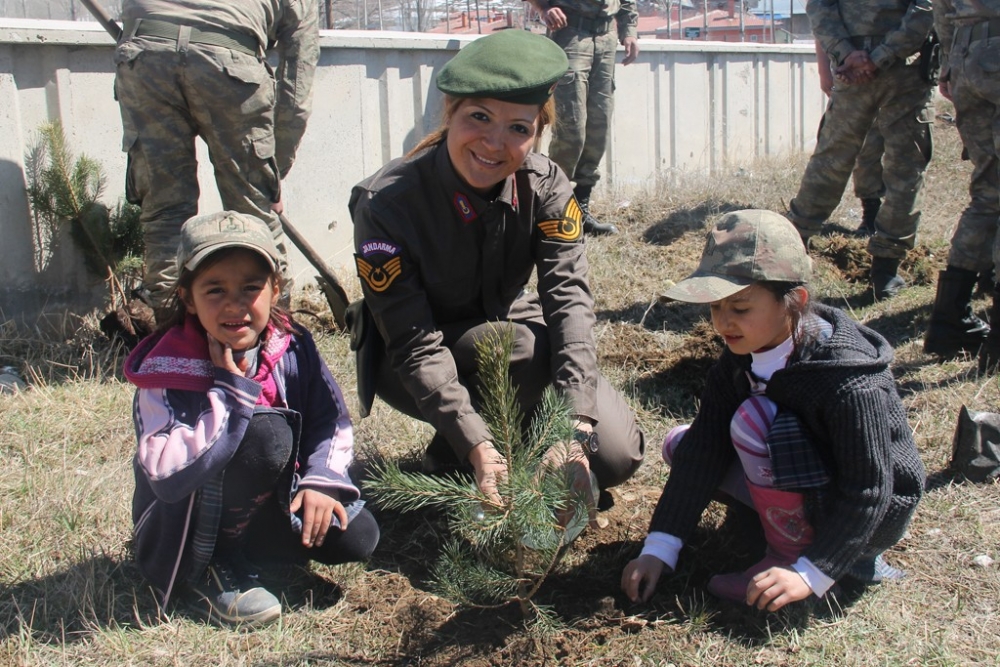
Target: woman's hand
column 490, row 469
column 317, row 512
column 571, row 457
column 640, row 576
column 773, row 588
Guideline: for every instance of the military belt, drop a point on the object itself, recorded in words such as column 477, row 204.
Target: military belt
column 595, row 25
column 210, row 36
column 984, row 30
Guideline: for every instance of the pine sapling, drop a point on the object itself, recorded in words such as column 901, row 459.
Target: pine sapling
column 501, row 552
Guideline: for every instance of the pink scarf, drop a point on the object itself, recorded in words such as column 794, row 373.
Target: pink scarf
column 179, row 359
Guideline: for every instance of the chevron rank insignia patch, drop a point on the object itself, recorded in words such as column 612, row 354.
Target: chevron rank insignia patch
column 379, row 276
column 569, row 228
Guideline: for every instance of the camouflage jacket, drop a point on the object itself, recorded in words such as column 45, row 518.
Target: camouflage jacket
column 290, row 26
column 624, row 11
column 896, row 28
column 950, row 15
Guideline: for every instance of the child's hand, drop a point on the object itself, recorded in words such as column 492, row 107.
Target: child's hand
column 773, row 588
column 317, row 512
column 640, row 577
column 222, row 356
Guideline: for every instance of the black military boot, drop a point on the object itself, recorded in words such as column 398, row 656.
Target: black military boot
column 591, row 225
column 954, row 327
column 886, row 282
column 869, row 209
column 989, row 353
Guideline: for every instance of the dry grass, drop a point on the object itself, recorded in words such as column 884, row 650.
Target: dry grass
column 70, row 594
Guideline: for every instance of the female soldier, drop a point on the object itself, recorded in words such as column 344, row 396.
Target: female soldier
column 446, row 239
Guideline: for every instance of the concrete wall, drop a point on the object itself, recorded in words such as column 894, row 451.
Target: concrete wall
column 682, row 106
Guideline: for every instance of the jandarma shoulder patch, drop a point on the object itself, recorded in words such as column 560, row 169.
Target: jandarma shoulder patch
column 569, row 228
column 379, row 263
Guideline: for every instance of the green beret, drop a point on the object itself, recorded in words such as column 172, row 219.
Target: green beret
column 511, row 65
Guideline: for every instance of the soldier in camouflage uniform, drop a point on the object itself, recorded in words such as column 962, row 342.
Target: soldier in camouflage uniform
column 970, row 39
column 187, row 69
column 867, row 174
column 585, row 95
column 874, row 45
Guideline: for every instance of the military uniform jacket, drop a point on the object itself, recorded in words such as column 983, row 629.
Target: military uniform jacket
column 895, row 28
column 291, row 26
column 949, row 15
column 429, row 251
column 623, row 11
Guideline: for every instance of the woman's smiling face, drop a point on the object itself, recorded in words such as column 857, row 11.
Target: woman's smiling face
column 488, row 140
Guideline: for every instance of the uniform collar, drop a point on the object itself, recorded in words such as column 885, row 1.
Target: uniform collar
column 468, row 204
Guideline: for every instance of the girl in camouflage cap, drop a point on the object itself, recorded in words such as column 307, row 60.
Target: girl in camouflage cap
column 800, row 420
column 244, row 439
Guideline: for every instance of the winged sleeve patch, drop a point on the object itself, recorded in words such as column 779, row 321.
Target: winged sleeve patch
column 568, row 228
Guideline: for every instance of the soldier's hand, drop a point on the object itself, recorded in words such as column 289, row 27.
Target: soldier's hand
column 944, row 87
column 825, row 78
column 279, row 206
column 631, row 45
column 554, row 18
column 857, row 68
column 569, row 459
column 490, row 469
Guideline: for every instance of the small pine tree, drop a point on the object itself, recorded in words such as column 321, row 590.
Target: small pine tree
column 64, row 190
column 499, row 553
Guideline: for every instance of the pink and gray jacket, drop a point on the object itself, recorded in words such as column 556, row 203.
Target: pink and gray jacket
column 190, row 418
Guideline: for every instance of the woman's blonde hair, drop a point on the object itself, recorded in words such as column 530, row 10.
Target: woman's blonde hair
column 546, row 117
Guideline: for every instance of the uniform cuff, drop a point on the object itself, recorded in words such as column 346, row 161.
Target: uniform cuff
column 882, row 57
column 467, row 432
column 583, row 400
column 841, row 50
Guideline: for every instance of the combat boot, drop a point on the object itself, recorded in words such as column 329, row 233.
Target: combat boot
column 954, row 327
column 885, row 280
column 989, row 353
column 869, row 209
column 591, row 225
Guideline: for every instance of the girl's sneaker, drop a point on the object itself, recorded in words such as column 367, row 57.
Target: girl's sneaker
column 231, row 595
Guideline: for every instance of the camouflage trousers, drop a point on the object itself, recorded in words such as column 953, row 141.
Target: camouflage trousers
column 975, row 90
column 169, row 96
column 898, row 102
column 584, row 103
column 867, row 174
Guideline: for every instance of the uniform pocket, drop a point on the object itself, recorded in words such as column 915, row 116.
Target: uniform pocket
column 127, row 53
column 262, row 170
column 245, row 68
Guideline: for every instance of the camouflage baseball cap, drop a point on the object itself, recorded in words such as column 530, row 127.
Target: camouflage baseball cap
column 512, row 65
column 745, row 247
column 205, row 234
